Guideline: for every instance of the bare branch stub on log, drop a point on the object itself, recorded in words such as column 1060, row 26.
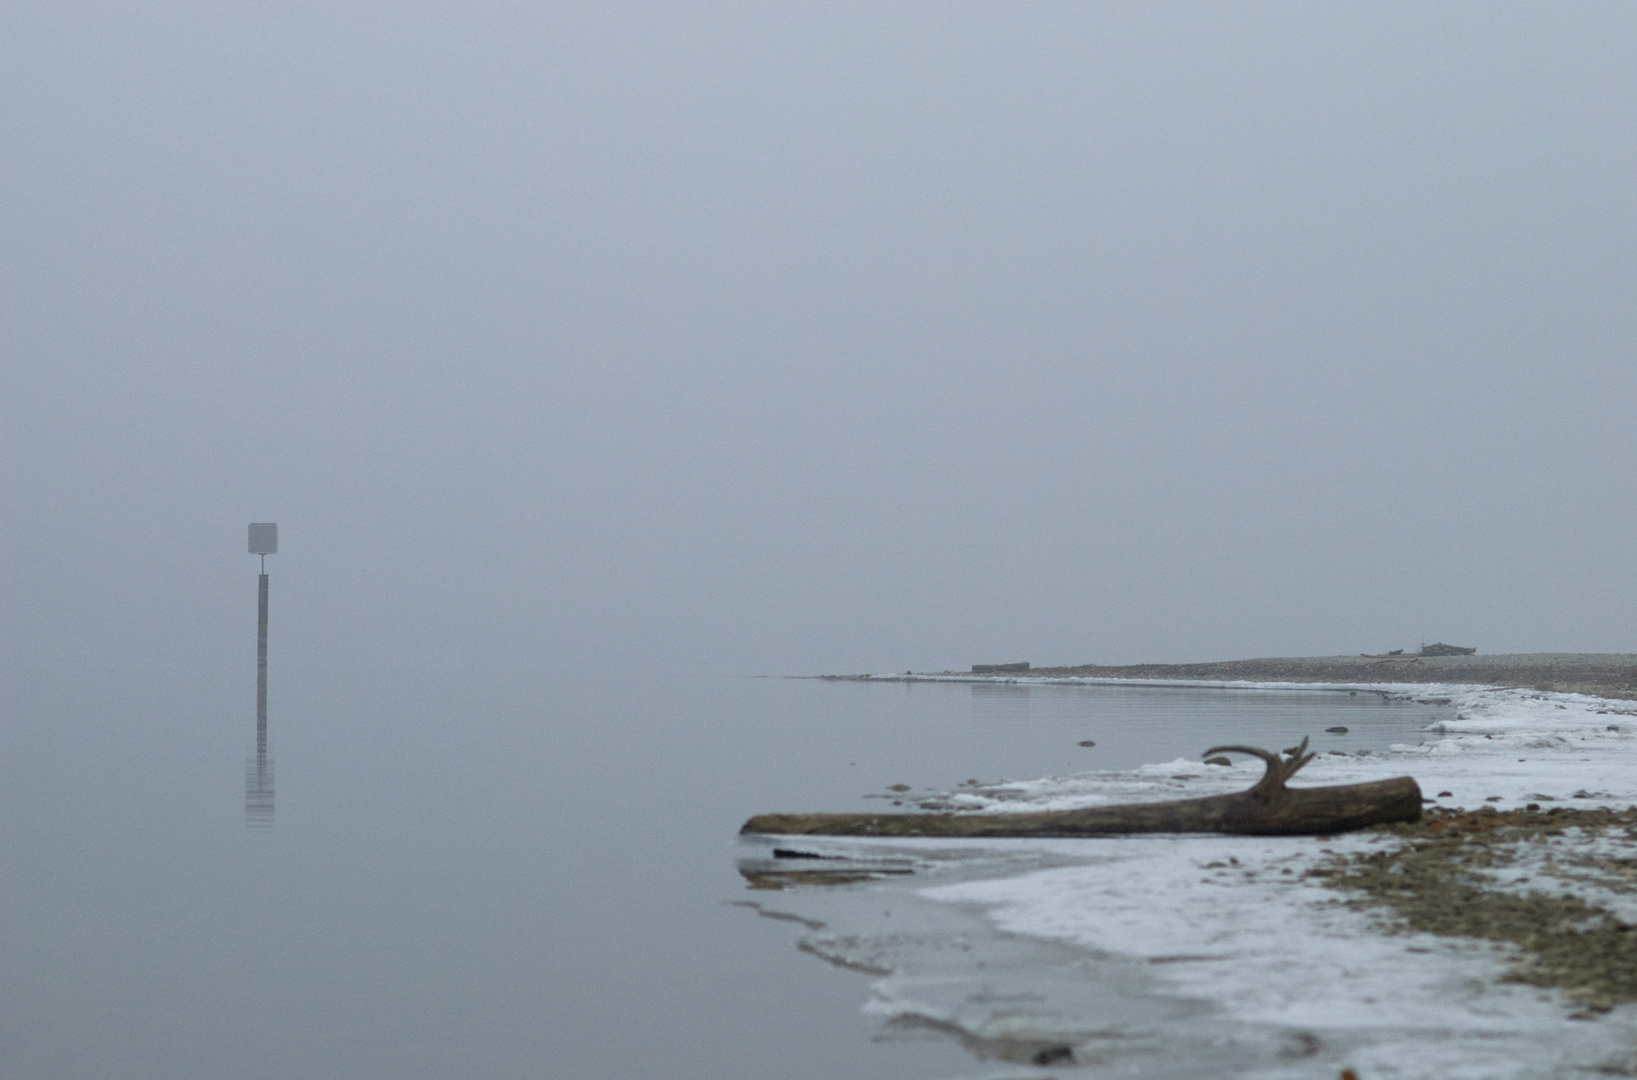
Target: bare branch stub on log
column 1280, row 767
column 1267, row 809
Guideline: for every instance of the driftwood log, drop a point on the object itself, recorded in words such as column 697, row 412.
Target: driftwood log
column 1268, row 809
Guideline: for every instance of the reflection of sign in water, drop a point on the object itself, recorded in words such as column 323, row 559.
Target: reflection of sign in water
column 258, row 774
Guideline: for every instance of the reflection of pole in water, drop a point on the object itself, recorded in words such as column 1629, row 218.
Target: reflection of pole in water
column 258, row 773
column 258, row 790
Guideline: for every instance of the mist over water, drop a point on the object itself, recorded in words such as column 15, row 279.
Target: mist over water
column 818, row 338
column 587, row 355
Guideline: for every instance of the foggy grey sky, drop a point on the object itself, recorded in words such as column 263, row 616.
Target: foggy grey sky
column 791, row 338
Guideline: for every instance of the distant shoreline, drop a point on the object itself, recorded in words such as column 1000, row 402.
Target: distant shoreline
column 1612, row 675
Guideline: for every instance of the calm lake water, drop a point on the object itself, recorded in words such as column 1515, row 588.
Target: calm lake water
column 495, row 874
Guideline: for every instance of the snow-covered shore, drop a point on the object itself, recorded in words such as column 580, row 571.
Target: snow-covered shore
column 1288, row 980
column 1503, row 747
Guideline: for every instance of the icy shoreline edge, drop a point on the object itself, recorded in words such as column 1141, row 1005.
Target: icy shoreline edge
column 1254, row 927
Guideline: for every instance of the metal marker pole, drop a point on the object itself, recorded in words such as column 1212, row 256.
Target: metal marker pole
column 261, row 665
column 258, row 777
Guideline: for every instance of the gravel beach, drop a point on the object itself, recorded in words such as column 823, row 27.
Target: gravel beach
column 1600, row 674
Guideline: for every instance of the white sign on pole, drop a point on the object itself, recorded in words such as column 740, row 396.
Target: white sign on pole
column 264, row 538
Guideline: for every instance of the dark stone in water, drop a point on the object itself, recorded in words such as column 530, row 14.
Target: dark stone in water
column 1336, row 730
column 1217, row 761
column 1086, row 742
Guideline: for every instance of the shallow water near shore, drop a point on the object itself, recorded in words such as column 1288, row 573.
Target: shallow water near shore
column 507, row 874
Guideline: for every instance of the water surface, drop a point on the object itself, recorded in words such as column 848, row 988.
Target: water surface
column 496, row 874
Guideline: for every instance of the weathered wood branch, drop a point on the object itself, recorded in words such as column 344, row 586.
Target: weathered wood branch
column 1267, row 809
